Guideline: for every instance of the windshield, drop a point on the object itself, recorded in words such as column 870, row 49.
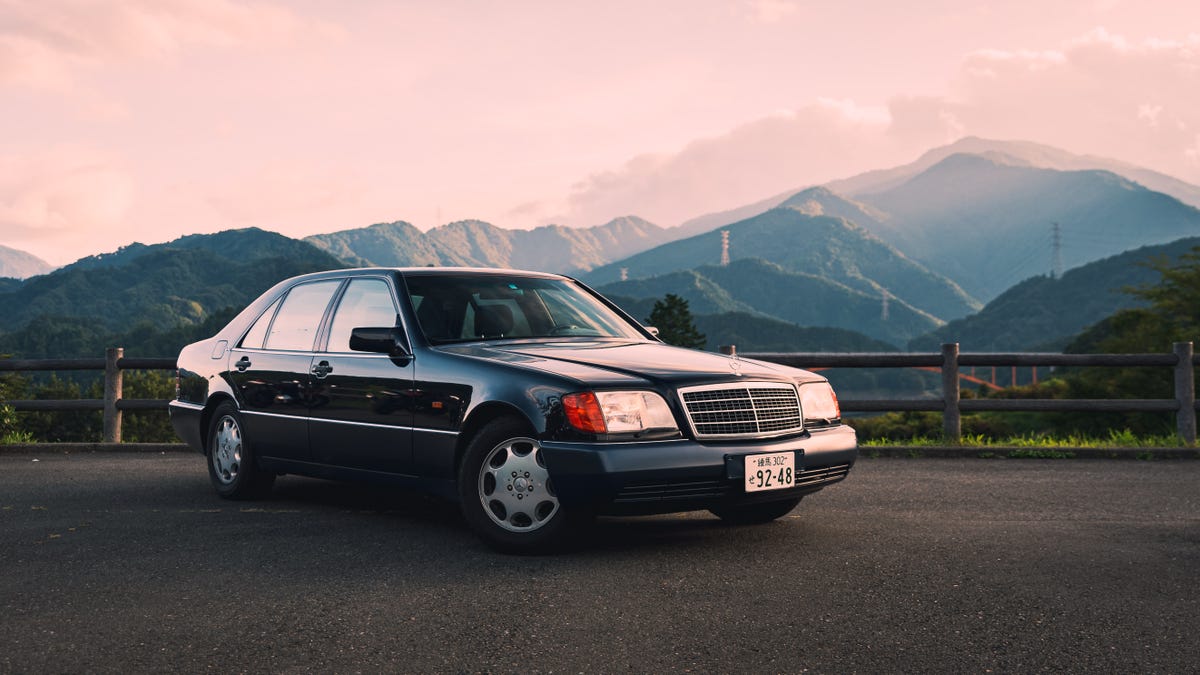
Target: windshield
column 466, row 307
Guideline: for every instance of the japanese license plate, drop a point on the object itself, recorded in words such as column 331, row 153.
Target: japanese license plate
column 774, row 471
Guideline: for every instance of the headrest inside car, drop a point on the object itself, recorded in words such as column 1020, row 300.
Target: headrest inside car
column 493, row 321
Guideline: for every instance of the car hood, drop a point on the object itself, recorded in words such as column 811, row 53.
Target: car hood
column 646, row 360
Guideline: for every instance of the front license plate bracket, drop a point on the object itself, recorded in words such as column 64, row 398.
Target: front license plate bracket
column 736, row 468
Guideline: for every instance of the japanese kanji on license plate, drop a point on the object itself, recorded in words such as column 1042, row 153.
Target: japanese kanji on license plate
column 773, row 471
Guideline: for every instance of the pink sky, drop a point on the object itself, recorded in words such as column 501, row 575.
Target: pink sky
column 138, row 120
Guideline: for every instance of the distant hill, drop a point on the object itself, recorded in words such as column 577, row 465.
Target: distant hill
column 987, row 224
column 17, row 264
column 756, row 287
column 1045, row 313
column 818, row 245
column 164, row 285
column 474, row 243
column 1015, row 153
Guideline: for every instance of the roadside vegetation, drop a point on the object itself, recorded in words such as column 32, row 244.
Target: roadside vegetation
column 1172, row 314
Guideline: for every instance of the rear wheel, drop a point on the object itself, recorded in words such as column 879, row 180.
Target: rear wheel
column 754, row 514
column 231, row 465
column 508, row 497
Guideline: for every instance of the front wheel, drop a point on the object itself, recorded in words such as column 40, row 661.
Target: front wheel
column 507, row 494
column 754, row 514
column 231, row 465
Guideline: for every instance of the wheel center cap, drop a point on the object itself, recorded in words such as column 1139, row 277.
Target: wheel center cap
column 521, row 484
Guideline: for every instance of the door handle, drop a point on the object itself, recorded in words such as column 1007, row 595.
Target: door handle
column 322, row 369
column 242, row 364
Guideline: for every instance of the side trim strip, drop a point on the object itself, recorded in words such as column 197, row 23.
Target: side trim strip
column 397, row 427
column 186, row 404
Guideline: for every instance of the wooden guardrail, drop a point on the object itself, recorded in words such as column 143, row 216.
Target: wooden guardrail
column 113, row 363
column 1182, row 360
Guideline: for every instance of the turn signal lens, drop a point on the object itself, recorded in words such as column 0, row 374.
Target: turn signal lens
column 583, row 412
column 617, row 412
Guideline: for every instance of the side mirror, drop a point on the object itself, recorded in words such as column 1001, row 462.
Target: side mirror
column 651, row 330
column 388, row 341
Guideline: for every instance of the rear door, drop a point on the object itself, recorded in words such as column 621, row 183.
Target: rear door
column 361, row 404
column 271, row 370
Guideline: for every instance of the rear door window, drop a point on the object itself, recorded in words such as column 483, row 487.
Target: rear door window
column 299, row 318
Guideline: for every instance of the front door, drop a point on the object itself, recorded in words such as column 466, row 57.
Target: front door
column 361, row 409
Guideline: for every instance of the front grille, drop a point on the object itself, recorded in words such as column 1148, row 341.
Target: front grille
column 749, row 410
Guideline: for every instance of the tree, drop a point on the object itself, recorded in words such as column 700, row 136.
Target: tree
column 673, row 320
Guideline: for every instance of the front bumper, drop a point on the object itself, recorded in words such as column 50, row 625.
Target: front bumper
column 684, row 475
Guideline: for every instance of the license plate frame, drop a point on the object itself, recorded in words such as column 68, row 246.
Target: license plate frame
column 767, row 471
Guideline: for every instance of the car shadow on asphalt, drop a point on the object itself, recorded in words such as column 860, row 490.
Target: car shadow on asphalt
column 607, row 535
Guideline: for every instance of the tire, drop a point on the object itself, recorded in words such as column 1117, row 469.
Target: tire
column 231, row 464
column 506, row 493
column 756, row 514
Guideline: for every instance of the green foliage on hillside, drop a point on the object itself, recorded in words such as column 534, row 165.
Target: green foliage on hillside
column 832, row 249
column 673, row 320
column 1042, row 313
column 148, row 297
column 1172, row 315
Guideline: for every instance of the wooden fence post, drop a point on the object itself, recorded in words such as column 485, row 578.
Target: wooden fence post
column 112, row 394
column 1185, row 393
column 951, row 416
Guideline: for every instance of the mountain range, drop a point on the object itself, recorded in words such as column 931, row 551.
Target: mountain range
column 15, row 264
column 1016, row 153
column 180, row 282
column 987, row 225
column 891, row 255
column 830, row 247
column 756, row 287
column 474, row 243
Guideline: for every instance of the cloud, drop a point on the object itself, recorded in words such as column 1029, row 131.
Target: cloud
column 65, row 195
column 1100, row 93
column 768, row 11
column 816, row 143
column 1096, row 94
column 44, row 44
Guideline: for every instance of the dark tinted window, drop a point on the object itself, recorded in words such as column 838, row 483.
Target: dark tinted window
column 366, row 303
column 296, row 324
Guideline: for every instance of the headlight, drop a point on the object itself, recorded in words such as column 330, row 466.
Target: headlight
column 617, row 412
column 818, row 402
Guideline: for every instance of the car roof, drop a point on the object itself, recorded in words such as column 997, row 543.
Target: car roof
column 426, row 271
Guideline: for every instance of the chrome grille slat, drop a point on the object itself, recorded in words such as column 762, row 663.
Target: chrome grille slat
column 742, row 409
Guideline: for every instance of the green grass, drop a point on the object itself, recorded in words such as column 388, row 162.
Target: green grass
column 1035, row 442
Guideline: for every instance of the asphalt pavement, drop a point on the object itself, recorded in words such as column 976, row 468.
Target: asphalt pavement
column 130, row 563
